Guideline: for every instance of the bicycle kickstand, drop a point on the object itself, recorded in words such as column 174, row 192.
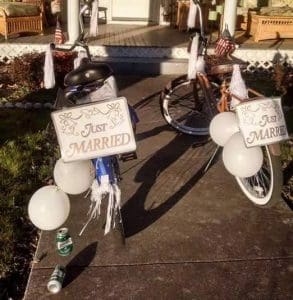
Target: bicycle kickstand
column 213, row 156
column 121, row 226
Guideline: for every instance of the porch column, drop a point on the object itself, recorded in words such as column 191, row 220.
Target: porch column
column 73, row 7
column 230, row 15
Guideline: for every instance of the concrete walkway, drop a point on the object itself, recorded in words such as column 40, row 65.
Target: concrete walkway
column 188, row 236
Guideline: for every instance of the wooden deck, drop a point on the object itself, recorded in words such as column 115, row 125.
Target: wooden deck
column 146, row 36
column 162, row 46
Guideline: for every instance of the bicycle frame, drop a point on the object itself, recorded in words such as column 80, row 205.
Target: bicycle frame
column 107, row 167
column 189, row 105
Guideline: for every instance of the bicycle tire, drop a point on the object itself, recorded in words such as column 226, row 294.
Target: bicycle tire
column 182, row 111
column 264, row 188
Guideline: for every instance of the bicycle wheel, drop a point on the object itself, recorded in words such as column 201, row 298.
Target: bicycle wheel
column 184, row 106
column 264, row 188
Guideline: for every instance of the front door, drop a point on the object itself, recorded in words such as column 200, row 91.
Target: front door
column 136, row 10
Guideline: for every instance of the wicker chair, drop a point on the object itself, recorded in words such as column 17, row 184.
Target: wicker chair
column 272, row 23
column 21, row 16
column 271, row 27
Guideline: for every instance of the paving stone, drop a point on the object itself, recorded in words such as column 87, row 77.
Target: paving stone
column 265, row 279
column 189, row 235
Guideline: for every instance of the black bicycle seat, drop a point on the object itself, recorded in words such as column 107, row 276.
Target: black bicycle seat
column 88, row 73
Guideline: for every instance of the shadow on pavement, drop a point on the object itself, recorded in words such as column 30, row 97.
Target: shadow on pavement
column 287, row 173
column 153, row 132
column 135, row 216
column 86, row 256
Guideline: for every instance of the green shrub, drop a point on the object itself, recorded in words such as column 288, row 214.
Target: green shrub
column 6, row 241
column 26, row 164
column 28, row 68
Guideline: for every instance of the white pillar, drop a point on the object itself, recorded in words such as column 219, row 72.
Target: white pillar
column 230, row 15
column 73, row 19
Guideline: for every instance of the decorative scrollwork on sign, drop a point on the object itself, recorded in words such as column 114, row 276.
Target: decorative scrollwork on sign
column 114, row 115
column 272, row 106
column 88, row 113
column 98, row 129
column 69, row 121
column 262, row 121
column 251, row 116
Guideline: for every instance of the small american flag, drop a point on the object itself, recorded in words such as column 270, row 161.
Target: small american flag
column 224, row 46
column 59, row 37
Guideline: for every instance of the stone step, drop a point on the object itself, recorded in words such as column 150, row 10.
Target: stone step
column 145, row 66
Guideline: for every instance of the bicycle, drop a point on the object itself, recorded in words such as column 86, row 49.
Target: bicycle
column 189, row 106
column 90, row 83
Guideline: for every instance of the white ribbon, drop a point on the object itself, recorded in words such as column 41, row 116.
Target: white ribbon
column 200, row 65
column 94, row 19
column 165, row 4
column 192, row 62
column 55, row 6
column 191, row 15
column 49, row 75
column 237, row 87
column 80, row 56
column 113, row 85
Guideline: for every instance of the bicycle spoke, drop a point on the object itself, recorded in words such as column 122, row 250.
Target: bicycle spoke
column 264, row 188
column 183, row 107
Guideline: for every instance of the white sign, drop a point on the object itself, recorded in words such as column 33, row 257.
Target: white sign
column 94, row 130
column 262, row 122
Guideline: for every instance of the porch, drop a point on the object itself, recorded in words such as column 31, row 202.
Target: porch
column 156, row 44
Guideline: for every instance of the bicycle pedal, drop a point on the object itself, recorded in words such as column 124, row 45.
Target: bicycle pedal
column 128, row 156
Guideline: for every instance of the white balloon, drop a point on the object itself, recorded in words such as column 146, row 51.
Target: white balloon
column 222, row 127
column 239, row 160
column 48, row 208
column 74, row 177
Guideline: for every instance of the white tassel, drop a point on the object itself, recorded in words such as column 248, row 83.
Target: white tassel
column 94, row 19
column 80, row 56
column 214, row 2
column 95, row 207
column 191, row 74
column 99, row 191
column 237, row 87
column 113, row 207
column 117, row 193
column 117, row 204
column 110, row 211
column 49, row 75
column 191, row 15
